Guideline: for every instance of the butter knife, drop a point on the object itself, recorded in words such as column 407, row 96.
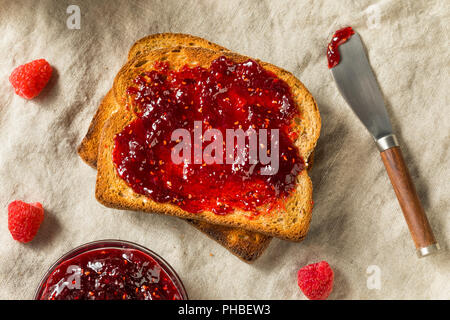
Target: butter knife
column 357, row 84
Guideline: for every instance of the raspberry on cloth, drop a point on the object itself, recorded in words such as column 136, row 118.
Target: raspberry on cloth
column 24, row 220
column 316, row 280
column 31, row 78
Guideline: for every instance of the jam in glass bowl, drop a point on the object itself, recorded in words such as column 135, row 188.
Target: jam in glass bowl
column 111, row 270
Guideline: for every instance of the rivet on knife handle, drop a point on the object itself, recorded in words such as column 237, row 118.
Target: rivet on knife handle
column 409, row 201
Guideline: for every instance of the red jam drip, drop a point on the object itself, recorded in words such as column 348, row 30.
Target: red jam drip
column 110, row 274
column 228, row 95
column 341, row 36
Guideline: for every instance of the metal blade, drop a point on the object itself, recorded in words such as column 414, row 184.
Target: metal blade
column 356, row 82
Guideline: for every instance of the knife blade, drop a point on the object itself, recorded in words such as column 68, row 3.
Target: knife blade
column 356, row 82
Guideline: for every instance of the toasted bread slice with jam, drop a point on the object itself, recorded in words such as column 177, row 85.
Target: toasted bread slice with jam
column 244, row 244
column 290, row 223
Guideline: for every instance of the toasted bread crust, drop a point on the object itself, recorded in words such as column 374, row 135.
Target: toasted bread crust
column 167, row 40
column 88, row 148
column 244, row 244
column 290, row 224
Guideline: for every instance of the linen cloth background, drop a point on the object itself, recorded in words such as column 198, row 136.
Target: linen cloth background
column 356, row 222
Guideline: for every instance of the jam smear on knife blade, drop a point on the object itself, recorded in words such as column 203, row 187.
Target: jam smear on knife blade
column 339, row 37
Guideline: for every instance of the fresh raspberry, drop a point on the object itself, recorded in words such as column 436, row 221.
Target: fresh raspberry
column 316, row 280
column 29, row 79
column 24, row 220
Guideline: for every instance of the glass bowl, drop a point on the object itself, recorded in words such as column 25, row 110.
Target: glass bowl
column 117, row 251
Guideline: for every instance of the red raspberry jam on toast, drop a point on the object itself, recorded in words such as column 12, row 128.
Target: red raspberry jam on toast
column 227, row 95
column 339, row 37
column 109, row 274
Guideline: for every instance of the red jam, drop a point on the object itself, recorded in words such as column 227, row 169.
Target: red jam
column 341, row 36
column 109, row 274
column 228, row 95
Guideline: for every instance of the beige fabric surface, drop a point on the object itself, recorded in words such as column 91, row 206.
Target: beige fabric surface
column 356, row 222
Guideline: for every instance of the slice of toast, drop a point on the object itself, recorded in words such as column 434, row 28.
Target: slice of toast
column 244, row 244
column 290, row 223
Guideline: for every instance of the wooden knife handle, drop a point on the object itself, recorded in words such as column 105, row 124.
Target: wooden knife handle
column 407, row 197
